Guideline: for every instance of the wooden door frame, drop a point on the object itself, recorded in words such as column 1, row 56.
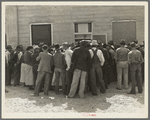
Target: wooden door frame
column 41, row 24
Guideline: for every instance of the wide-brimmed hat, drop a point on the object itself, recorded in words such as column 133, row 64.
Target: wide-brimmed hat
column 65, row 45
column 133, row 44
column 35, row 46
column 8, row 47
column 94, row 43
column 122, row 42
column 83, row 42
column 111, row 42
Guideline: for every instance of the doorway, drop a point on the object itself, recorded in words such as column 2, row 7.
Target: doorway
column 41, row 33
column 123, row 30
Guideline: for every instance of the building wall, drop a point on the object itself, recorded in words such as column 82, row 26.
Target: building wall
column 63, row 18
column 11, row 28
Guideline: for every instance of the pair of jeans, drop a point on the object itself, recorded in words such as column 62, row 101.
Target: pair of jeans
column 7, row 75
column 39, row 80
column 136, row 68
column 78, row 75
column 69, row 75
column 96, row 80
column 35, row 72
column 17, row 71
column 122, row 70
column 105, row 74
column 60, row 74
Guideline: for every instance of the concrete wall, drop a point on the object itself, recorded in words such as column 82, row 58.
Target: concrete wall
column 63, row 18
column 11, row 26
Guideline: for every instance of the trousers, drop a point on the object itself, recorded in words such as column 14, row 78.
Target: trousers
column 69, row 75
column 60, row 74
column 136, row 68
column 78, row 75
column 96, row 80
column 17, row 74
column 122, row 70
column 40, row 76
column 105, row 74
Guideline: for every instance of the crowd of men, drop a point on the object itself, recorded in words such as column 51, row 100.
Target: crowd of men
column 88, row 66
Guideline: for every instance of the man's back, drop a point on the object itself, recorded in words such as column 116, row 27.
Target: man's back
column 81, row 57
column 59, row 60
column 122, row 54
column 46, row 62
column 135, row 56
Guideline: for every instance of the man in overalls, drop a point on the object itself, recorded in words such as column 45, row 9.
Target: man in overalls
column 96, row 76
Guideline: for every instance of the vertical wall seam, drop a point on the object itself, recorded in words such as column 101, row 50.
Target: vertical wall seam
column 18, row 26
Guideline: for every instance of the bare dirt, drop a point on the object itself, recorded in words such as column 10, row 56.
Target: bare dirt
column 19, row 99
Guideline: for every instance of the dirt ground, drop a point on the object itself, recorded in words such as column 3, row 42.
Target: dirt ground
column 19, row 99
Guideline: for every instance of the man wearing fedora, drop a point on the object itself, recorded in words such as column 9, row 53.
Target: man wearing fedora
column 96, row 76
column 122, row 65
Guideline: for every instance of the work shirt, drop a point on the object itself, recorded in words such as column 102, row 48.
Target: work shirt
column 59, row 60
column 122, row 54
column 7, row 56
column 68, row 55
column 135, row 56
column 99, row 54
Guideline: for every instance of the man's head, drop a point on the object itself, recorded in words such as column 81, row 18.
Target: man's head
column 44, row 47
column 94, row 43
column 65, row 45
column 111, row 42
column 83, row 43
column 135, row 41
column 18, row 49
column 122, row 42
column 133, row 45
column 57, row 46
column 30, row 48
column 41, row 44
column 9, row 48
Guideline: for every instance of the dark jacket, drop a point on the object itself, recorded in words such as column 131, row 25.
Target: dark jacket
column 59, row 60
column 27, row 58
column 81, row 59
column 34, row 56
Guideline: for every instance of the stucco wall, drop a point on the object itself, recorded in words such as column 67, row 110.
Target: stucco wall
column 63, row 18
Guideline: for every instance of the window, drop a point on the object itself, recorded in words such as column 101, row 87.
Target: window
column 83, row 27
column 82, row 31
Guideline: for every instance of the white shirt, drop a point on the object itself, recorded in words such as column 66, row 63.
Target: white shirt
column 68, row 55
column 99, row 54
column 19, row 55
column 7, row 55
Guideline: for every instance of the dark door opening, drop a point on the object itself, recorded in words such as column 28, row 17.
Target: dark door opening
column 100, row 38
column 123, row 30
column 41, row 33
